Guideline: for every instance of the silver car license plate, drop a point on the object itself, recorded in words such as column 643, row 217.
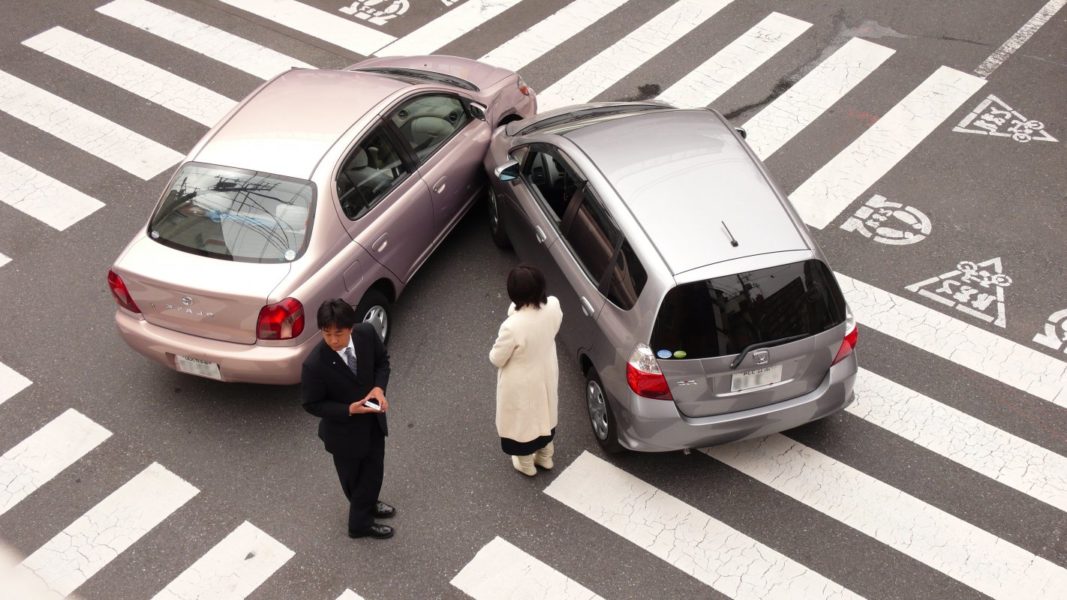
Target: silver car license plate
column 195, row 366
column 755, row 378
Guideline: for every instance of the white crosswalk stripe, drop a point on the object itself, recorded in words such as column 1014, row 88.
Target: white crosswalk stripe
column 550, row 32
column 448, row 27
column 93, row 540
column 626, row 55
column 958, row 549
column 995, row 453
column 11, row 383
column 704, row 84
column 349, row 595
column 46, row 453
column 83, row 129
column 311, row 21
column 821, row 198
column 502, row 571
column 711, row 551
column 231, row 570
column 52, row 202
column 810, row 97
column 4, row 259
column 133, row 75
column 209, row 41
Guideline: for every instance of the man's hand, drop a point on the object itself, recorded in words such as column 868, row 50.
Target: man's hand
column 377, row 394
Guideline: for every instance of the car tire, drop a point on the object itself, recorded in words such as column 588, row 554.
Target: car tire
column 496, row 226
column 375, row 308
column 601, row 418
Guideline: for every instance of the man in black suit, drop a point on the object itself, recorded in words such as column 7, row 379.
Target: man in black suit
column 342, row 381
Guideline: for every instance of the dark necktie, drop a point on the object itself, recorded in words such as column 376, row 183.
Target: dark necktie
column 350, row 358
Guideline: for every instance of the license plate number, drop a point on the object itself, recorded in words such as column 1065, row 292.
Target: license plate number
column 195, row 366
column 755, row 378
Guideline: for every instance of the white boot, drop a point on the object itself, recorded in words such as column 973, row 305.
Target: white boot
column 524, row 464
column 543, row 457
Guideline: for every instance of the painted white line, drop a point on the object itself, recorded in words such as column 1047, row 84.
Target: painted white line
column 550, row 32
column 704, row 84
column 11, row 382
column 1021, row 37
column 89, row 543
column 213, row 43
column 45, row 453
column 810, row 97
column 4, row 259
column 231, row 570
column 502, row 571
column 942, row 541
column 83, row 129
column 317, row 23
column 711, row 551
column 959, row 437
column 839, row 182
column 52, row 202
column 446, row 28
column 349, row 595
column 626, row 55
column 133, row 75
column 962, row 343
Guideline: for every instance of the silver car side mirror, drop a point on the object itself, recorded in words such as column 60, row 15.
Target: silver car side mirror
column 477, row 111
column 508, row 171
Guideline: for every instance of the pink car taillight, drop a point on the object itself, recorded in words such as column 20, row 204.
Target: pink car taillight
column 523, row 88
column 121, row 294
column 644, row 376
column 852, row 334
column 281, row 321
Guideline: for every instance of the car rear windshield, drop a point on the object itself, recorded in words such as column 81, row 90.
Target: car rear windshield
column 721, row 316
column 234, row 214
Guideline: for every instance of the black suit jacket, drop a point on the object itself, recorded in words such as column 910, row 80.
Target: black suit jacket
column 327, row 387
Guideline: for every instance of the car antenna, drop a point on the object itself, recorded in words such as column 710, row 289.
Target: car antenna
column 733, row 242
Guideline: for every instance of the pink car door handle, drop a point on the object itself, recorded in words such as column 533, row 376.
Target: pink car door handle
column 380, row 243
column 439, row 187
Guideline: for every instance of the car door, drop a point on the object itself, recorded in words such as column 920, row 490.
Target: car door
column 387, row 205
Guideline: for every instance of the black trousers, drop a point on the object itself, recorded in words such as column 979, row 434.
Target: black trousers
column 361, row 480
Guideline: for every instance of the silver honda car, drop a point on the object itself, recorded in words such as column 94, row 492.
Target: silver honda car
column 695, row 301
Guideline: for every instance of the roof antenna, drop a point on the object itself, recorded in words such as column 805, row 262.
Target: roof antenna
column 733, row 242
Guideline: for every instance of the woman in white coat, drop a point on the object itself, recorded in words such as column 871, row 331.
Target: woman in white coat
column 527, row 400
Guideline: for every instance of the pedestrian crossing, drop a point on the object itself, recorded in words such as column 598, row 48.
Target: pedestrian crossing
column 680, row 535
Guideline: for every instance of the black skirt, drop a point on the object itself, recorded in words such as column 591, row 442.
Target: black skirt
column 510, row 446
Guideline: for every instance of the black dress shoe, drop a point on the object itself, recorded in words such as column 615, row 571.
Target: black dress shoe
column 383, row 510
column 376, row 531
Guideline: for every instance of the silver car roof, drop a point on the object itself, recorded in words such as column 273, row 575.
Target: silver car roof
column 691, row 185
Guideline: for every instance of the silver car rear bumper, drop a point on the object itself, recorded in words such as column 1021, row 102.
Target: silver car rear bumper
column 656, row 425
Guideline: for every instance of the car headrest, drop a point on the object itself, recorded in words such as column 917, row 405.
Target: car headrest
column 359, row 161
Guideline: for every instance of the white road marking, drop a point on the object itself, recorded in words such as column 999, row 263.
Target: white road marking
column 890, row 223
column 942, row 541
column 1054, row 335
column 11, row 382
column 711, row 551
column 550, row 32
column 973, row 290
column 961, row 438
column 704, row 84
column 1021, row 37
column 89, row 543
column 45, row 453
column 209, row 41
column 501, row 571
column 349, row 595
column 4, row 259
column 83, row 129
column 626, row 55
column 810, row 97
column 320, row 24
column 52, row 202
column 232, row 570
column 985, row 353
column 839, row 182
column 133, row 75
column 446, row 28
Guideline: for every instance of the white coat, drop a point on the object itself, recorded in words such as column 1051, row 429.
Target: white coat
column 527, row 382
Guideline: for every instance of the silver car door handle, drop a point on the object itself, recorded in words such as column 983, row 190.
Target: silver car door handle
column 587, row 307
column 540, row 234
column 380, row 243
column 439, row 187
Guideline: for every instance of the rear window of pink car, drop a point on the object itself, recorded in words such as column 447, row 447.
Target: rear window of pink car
column 234, row 214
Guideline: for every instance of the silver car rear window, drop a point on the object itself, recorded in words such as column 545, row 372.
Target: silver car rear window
column 721, row 316
column 234, row 214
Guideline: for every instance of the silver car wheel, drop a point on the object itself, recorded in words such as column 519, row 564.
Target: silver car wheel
column 598, row 410
column 379, row 318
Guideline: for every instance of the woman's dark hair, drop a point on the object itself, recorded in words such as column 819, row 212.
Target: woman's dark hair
column 526, row 286
column 336, row 313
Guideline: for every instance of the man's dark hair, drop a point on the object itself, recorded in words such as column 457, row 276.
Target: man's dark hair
column 336, row 313
column 526, row 286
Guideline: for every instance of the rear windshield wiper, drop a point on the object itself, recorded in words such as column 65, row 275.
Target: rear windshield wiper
column 757, row 345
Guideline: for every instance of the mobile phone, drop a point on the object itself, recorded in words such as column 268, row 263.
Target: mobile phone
column 372, row 404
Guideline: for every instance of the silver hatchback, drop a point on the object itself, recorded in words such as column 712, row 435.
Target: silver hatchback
column 695, row 301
